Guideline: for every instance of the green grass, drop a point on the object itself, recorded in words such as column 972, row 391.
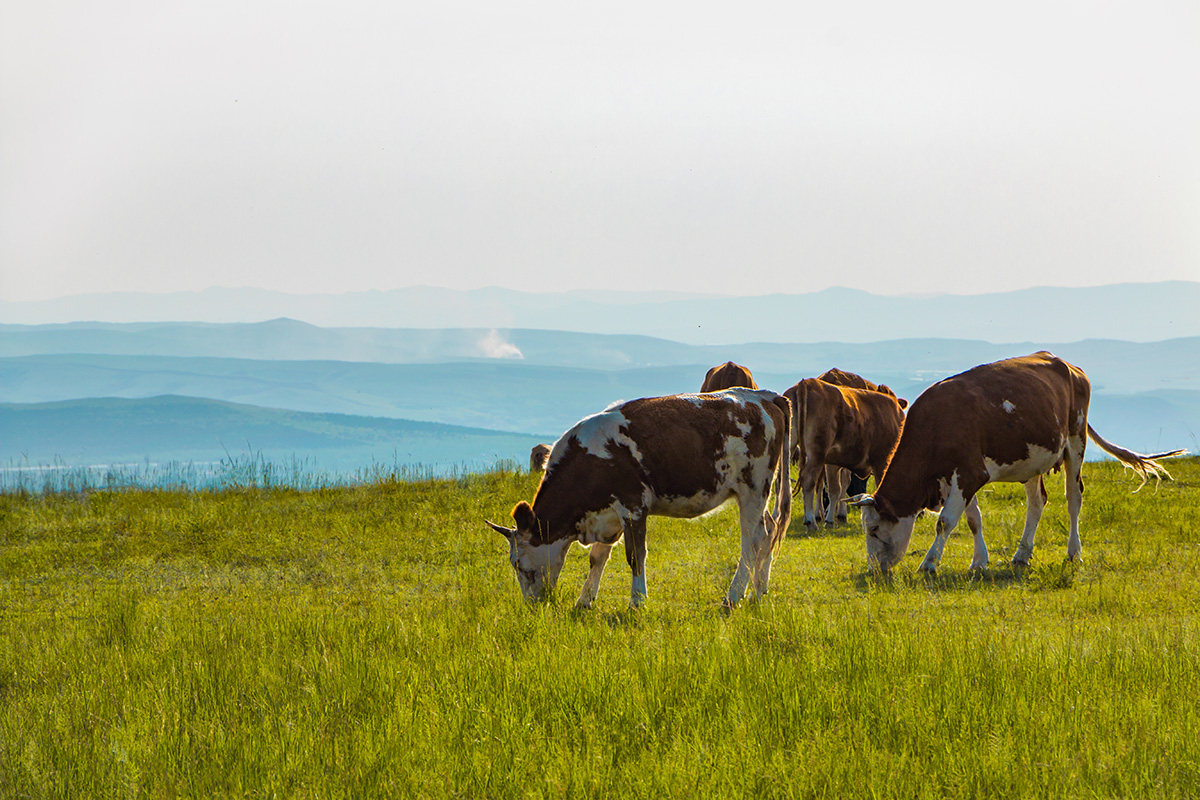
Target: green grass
column 370, row 641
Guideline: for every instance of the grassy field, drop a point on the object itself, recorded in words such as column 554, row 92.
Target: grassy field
column 358, row 642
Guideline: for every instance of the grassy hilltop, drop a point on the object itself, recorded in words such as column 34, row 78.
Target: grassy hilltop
column 370, row 641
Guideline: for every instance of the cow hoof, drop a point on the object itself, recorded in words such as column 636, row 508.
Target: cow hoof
column 928, row 570
column 841, row 519
column 1020, row 563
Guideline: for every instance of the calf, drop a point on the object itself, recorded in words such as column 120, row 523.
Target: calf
column 1013, row 420
column 675, row 456
column 727, row 376
column 838, row 428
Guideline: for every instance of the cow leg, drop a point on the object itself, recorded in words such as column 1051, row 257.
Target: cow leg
column 764, row 553
column 635, row 554
column 810, row 478
column 975, row 523
column 1073, row 470
column 951, row 513
column 597, row 558
column 836, row 480
column 1035, row 502
column 754, row 541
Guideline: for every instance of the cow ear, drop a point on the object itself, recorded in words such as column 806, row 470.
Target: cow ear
column 507, row 533
column 903, row 403
column 523, row 514
column 860, row 500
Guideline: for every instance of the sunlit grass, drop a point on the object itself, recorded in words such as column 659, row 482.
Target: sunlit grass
column 370, row 641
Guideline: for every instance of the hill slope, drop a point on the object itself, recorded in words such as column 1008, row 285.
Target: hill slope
column 173, row 428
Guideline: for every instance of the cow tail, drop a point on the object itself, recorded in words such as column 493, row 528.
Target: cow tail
column 782, row 516
column 1146, row 466
column 796, row 435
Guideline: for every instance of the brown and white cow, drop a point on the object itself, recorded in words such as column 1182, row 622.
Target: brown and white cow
column 1013, row 420
column 727, row 376
column 837, row 428
column 538, row 457
column 674, row 456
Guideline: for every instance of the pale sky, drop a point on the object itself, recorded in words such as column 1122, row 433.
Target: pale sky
column 744, row 148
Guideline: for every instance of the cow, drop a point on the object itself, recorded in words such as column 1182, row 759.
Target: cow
column 538, row 456
column 838, row 428
column 727, row 376
column 675, row 456
column 855, row 484
column 840, row 377
column 1013, row 420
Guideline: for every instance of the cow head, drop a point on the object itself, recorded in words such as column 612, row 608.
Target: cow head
column 887, row 536
column 536, row 562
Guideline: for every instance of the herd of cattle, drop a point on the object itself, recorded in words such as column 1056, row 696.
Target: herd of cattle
column 684, row 455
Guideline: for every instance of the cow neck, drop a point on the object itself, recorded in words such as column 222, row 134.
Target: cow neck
column 555, row 521
column 906, row 487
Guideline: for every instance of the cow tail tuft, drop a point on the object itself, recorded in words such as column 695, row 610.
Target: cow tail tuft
column 1146, row 466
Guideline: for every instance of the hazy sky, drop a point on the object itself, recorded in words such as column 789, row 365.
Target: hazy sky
column 731, row 148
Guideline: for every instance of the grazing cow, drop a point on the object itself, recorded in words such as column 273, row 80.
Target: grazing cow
column 538, row 457
column 1013, row 420
column 855, row 483
column 727, row 376
column 838, row 428
column 674, row 456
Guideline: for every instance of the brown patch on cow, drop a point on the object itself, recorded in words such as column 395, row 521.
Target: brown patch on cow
column 679, row 446
column 727, row 376
column 581, row 482
column 995, row 412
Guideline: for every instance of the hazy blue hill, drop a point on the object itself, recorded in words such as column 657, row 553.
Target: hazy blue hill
column 172, row 428
column 1133, row 312
column 497, row 395
column 544, row 400
column 286, row 339
column 909, row 363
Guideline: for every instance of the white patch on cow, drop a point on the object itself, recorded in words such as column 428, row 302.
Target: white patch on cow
column 600, row 434
column 605, row 525
column 1039, row 462
column 597, row 432
column 1008, row 406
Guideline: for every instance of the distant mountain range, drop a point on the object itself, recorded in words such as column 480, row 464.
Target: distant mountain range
column 910, row 364
column 1136, row 312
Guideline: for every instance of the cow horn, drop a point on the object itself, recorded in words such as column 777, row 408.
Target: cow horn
column 860, row 500
column 507, row 533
